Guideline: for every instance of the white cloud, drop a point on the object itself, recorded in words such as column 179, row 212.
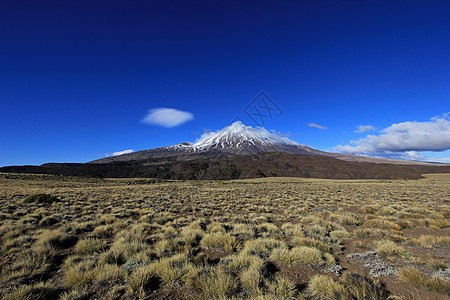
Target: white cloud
column 317, row 126
column 122, row 152
column 117, row 153
column 404, row 139
column 364, row 128
column 442, row 160
column 167, row 117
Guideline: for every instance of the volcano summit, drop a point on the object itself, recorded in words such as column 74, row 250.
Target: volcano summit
column 239, row 151
column 240, row 139
column 237, row 139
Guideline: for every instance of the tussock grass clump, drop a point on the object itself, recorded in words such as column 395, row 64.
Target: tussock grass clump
column 350, row 219
column 75, row 294
column 57, row 239
column 83, row 227
column 78, row 271
column 324, row 287
column 281, row 288
column 112, row 257
column 251, row 279
column 303, row 254
column 143, row 280
column 163, row 247
column 262, row 246
column 293, row 229
column 78, row 276
column 361, row 287
column 110, row 273
column 104, row 231
column 369, row 232
column 340, row 234
column 412, row 275
column 267, row 229
column 32, row 292
column 40, row 198
column 439, row 285
column 243, row 229
column 214, row 283
column 315, row 231
column 107, row 219
column 216, row 227
column 417, row 278
column 388, row 248
column 388, row 211
column 33, row 263
column 128, row 249
column 48, row 221
column 310, row 242
column 430, row 241
column 369, row 209
column 90, row 245
column 191, row 236
column 241, row 261
column 174, row 270
column 13, row 244
column 220, row 240
column 393, row 225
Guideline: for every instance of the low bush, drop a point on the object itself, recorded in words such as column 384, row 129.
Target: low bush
column 40, row 198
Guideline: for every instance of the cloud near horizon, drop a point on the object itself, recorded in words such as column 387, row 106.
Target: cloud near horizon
column 118, row 153
column 364, row 128
column 404, row 140
column 167, row 117
column 317, row 126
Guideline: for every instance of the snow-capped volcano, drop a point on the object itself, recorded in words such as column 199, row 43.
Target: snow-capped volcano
column 236, row 138
column 239, row 138
column 238, row 135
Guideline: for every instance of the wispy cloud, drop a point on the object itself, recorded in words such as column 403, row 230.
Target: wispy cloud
column 442, row 160
column 167, row 117
column 116, row 153
column 317, row 126
column 404, row 139
column 364, row 128
column 122, row 152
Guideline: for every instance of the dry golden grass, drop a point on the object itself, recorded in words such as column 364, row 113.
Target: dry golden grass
column 247, row 239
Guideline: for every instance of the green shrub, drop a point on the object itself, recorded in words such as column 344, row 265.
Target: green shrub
column 40, row 198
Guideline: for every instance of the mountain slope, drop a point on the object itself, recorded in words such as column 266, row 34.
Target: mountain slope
column 224, row 167
column 239, row 151
column 234, row 139
column 239, row 139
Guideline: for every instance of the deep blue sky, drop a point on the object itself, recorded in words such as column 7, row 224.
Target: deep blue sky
column 78, row 77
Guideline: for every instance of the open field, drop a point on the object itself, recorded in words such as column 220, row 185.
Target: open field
column 271, row 238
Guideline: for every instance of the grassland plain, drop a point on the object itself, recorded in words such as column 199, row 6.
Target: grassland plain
column 273, row 238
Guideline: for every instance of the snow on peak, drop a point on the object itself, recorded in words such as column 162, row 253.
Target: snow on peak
column 242, row 132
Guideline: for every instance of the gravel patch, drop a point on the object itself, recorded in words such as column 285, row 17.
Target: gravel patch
column 376, row 265
column 444, row 274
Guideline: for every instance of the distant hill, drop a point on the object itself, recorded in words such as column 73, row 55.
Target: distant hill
column 238, row 152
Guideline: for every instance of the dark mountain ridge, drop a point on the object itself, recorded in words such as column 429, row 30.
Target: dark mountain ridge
column 236, row 167
column 238, row 151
